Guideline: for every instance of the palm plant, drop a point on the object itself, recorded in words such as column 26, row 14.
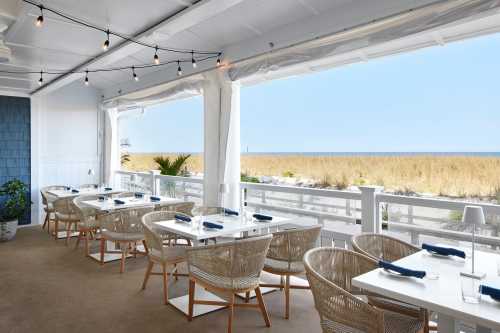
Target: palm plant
column 170, row 167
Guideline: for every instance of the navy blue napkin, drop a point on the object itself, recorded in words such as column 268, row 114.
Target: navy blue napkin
column 155, row 198
column 490, row 291
column 182, row 218
column 107, row 189
column 211, row 225
column 228, row 211
column 444, row 251
column 119, row 202
column 139, row 195
column 401, row 270
column 102, row 198
column 67, row 188
column 262, row 217
column 75, row 191
column 96, row 186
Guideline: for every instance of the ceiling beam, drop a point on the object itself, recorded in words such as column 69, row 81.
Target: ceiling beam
column 170, row 25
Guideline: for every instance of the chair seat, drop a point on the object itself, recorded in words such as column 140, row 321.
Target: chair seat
column 122, row 236
column 67, row 217
column 243, row 283
column 281, row 266
column 394, row 305
column 171, row 254
column 393, row 323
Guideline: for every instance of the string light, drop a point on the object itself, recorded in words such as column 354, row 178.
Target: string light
column 40, row 82
column 193, row 60
column 86, row 78
column 156, row 58
column 218, row 60
column 136, row 78
column 39, row 19
column 105, row 46
column 179, row 69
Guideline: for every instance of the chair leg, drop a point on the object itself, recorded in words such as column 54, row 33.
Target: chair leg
column 191, row 299
column 124, row 256
column 262, row 306
column 247, row 297
column 68, row 232
column 45, row 221
column 165, row 284
column 287, row 297
column 231, row 314
column 103, row 244
column 56, row 230
column 86, row 240
column 148, row 274
column 80, row 234
column 145, row 247
column 176, row 276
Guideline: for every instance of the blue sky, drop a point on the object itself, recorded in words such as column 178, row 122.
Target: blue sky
column 435, row 99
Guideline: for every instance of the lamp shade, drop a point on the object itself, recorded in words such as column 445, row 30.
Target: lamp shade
column 473, row 215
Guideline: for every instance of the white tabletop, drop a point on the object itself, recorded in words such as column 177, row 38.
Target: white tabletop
column 443, row 295
column 83, row 191
column 232, row 224
column 129, row 202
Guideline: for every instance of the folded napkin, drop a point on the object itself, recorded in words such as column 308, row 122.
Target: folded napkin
column 139, row 195
column 96, row 186
column 102, row 198
column 444, row 251
column 75, row 191
column 155, row 198
column 401, row 270
column 228, row 211
column 107, row 189
column 490, row 291
column 211, row 225
column 119, row 202
column 182, row 218
column 67, row 188
column 262, row 217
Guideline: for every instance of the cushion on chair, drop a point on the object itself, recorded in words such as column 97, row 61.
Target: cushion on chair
column 67, row 217
column 222, row 282
column 283, row 266
column 122, row 236
column 173, row 253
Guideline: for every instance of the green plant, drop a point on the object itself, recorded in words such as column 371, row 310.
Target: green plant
column 456, row 216
column 16, row 203
column 288, row 173
column 171, row 167
column 342, row 184
column 248, row 179
column 124, row 158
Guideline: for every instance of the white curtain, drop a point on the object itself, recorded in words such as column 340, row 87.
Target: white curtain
column 159, row 94
column 111, row 145
column 399, row 26
column 222, row 140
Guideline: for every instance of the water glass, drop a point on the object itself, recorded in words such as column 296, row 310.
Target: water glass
column 470, row 289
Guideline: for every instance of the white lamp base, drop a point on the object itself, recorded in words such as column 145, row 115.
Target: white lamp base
column 475, row 275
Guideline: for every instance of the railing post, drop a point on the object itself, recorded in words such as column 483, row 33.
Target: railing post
column 155, row 182
column 301, row 200
column 369, row 219
column 184, row 193
column 348, row 207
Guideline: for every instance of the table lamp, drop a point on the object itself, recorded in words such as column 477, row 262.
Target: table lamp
column 473, row 215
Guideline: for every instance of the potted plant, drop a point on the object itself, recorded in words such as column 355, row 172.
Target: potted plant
column 14, row 204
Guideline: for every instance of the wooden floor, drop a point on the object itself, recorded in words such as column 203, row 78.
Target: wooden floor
column 48, row 287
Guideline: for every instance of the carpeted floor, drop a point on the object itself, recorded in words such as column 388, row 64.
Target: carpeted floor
column 48, row 287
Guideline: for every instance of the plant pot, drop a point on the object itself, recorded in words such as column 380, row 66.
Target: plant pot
column 8, row 230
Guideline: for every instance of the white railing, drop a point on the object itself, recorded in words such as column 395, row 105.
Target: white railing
column 342, row 213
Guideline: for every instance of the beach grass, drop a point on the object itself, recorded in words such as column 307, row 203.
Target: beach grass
column 452, row 176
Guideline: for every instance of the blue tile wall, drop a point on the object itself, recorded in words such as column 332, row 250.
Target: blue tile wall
column 15, row 146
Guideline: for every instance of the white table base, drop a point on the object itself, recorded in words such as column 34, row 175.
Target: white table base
column 182, row 303
column 62, row 234
column 268, row 278
column 112, row 255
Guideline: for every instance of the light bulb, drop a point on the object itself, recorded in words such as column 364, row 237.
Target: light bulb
column 40, row 81
column 218, row 62
column 105, row 45
column 179, row 69
column 86, row 78
column 136, row 78
column 39, row 19
column 156, row 58
column 193, row 60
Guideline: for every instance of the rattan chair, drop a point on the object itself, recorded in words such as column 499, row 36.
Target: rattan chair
column 48, row 207
column 160, row 253
column 285, row 256
column 227, row 269
column 66, row 213
column 340, row 304
column 123, row 227
column 379, row 246
column 88, row 225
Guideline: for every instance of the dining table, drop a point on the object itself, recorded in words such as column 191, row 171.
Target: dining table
column 69, row 193
column 199, row 235
column 441, row 291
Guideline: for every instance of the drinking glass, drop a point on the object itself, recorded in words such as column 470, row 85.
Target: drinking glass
column 470, row 289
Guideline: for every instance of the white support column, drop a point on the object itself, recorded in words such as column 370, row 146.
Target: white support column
column 222, row 140
column 369, row 219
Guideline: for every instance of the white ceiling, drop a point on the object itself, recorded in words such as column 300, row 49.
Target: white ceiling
column 242, row 26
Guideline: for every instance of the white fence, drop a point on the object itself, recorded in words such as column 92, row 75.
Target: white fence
column 342, row 213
